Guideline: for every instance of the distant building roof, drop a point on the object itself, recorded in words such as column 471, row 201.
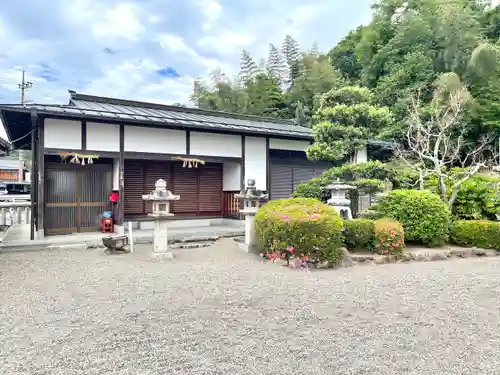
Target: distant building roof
column 10, row 164
column 4, row 145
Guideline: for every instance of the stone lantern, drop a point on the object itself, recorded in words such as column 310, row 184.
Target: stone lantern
column 161, row 198
column 251, row 198
column 339, row 199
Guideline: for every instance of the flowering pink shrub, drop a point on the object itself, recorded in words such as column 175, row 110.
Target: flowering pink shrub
column 300, row 227
column 389, row 237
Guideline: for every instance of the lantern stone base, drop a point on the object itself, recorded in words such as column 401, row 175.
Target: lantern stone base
column 249, row 214
column 160, row 237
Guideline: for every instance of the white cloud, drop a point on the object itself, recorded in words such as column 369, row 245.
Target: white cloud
column 226, row 41
column 176, row 44
column 115, row 47
column 130, row 80
column 212, row 11
column 304, row 14
column 120, row 21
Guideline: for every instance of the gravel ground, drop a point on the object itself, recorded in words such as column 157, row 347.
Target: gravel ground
column 219, row 311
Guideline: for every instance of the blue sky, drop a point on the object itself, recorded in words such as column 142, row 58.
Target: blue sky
column 151, row 50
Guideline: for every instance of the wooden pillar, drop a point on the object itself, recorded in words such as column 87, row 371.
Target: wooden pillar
column 41, row 178
column 188, row 142
column 34, row 174
column 242, row 177
column 121, row 162
column 268, row 167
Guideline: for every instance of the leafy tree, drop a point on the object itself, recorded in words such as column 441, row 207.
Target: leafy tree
column 343, row 56
column 264, row 96
column 490, row 22
column 345, row 121
column 302, row 115
column 433, row 147
column 315, row 78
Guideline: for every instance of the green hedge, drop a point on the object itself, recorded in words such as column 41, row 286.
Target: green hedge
column 424, row 216
column 479, row 233
column 312, row 189
column 358, row 234
column 312, row 228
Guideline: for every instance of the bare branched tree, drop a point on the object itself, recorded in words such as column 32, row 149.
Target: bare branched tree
column 436, row 143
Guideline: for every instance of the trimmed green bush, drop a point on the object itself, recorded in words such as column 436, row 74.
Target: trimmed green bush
column 358, row 234
column 479, row 233
column 308, row 226
column 424, row 216
column 478, row 198
column 312, row 189
column 389, row 237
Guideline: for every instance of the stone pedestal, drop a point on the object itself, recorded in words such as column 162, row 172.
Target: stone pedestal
column 160, row 237
column 249, row 227
column 251, row 198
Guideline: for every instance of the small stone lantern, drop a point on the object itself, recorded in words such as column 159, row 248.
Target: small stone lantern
column 251, row 198
column 161, row 198
column 339, row 199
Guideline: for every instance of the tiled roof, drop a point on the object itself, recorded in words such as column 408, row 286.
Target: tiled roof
column 189, row 117
column 96, row 107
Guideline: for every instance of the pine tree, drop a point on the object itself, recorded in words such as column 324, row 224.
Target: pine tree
column 276, row 66
column 248, row 67
column 314, row 49
column 262, row 66
column 291, row 52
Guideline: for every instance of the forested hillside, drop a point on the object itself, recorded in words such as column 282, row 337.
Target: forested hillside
column 364, row 84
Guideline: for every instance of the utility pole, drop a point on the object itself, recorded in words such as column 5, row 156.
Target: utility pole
column 24, row 85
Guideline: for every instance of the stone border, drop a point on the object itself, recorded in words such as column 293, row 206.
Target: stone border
column 414, row 255
column 424, row 255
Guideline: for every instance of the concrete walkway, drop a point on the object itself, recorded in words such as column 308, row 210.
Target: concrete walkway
column 94, row 239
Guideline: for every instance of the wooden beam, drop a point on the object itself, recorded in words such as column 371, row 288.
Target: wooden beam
column 268, row 167
column 121, row 201
column 242, row 170
column 188, row 142
column 41, row 176
column 84, row 134
column 34, row 174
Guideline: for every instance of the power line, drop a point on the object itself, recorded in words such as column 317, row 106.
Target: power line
column 49, row 91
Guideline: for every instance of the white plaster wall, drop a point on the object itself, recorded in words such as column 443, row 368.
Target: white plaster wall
column 231, row 175
column 212, row 144
column 288, row 144
column 64, row 134
column 103, row 137
column 360, row 156
column 116, row 174
column 256, row 161
column 154, row 140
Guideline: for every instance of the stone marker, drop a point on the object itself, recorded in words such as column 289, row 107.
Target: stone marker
column 339, row 200
column 161, row 198
column 251, row 198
